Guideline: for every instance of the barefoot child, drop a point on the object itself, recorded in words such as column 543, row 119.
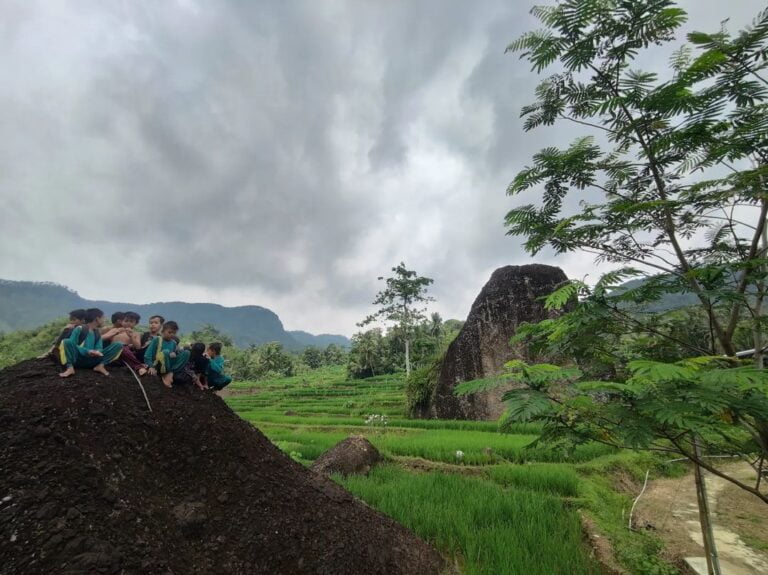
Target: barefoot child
column 155, row 325
column 162, row 353
column 199, row 362
column 76, row 318
column 215, row 375
column 85, row 348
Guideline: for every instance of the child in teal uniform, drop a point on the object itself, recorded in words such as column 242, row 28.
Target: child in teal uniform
column 84, row 347
column 76, row 318
column 163, row 353
column 215, row 372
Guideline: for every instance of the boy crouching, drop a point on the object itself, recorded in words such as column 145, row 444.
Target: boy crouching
column 163, row 356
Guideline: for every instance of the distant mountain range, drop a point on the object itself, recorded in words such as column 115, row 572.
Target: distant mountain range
column 25, row 305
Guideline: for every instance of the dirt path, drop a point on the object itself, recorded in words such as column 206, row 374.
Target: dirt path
column 740, row 520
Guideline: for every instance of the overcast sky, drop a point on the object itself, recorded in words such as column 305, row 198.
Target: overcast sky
column 282, row 154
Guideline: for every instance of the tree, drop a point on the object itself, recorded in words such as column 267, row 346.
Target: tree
column 368, row 355
column 313, row 357
column 334, row 355
column 274, row 359
column 672, row 160
column 668, row 181
column 208, row 334
column 399, row 302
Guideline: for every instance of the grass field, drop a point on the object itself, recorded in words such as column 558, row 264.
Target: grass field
column 500, row 507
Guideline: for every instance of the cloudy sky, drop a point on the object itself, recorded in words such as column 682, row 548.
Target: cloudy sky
column 282, row 154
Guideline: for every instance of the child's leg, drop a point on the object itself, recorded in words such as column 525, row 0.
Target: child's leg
column 112, row 352
column 166, row 370
column 68, row 354
column 109, row 354
column 221, row 382
column 128, row 356
column 182, row 359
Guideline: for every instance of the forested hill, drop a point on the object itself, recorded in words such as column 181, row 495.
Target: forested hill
column 25, row 305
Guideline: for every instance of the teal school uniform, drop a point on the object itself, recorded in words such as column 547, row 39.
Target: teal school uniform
column 158, row 355
column 73, row 351
column 215, row 373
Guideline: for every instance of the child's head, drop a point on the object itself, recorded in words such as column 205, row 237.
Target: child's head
column 94, row 315
column 117, row 318
column 214, row 349
column 77, row 316
column 131, row 319
column 169, row 331
column 197, row 349
column 199, row 361
column 156, row 323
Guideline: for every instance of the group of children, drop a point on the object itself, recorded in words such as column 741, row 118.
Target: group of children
column 86, row 343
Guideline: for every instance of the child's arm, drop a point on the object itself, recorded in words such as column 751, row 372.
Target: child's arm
column 110, row 332
column 216, row 364
column 135, row 340
column 74, row 335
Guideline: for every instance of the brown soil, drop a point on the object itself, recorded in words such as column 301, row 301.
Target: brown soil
column 91, row 482
column 740, row 520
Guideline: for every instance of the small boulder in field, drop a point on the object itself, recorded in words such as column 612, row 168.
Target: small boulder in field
column 353, row 456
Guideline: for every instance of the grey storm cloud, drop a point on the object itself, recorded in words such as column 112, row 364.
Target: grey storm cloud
column 292, row 150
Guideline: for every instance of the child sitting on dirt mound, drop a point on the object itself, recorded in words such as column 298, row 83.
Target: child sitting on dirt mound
column 122, row 331
column 199, row 361
column 85, row 348
column 76, row 317
column 155, row 325
column 163, row 354
column 215, row 374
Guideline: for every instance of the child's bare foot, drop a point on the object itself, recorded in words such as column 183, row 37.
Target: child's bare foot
column 168, row 380
column 101, row 369
column 142, row 371
column 70, row 371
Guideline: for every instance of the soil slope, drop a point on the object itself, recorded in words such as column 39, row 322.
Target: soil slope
column 92, row 482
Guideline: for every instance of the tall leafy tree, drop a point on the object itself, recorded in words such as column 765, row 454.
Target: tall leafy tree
column 667, row 181
column 662, row 163
column 403, row 303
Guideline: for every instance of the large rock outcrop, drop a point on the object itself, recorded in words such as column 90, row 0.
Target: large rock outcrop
column 512, row 296
column 92, row 482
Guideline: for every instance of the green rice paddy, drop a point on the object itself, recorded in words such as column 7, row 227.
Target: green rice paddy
column 493, row 505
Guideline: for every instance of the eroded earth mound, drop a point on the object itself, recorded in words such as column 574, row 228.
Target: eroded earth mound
column 92, row 482
column 354, row 455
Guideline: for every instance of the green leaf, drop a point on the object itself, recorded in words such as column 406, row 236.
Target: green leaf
column 525, row 405
column 644, row 370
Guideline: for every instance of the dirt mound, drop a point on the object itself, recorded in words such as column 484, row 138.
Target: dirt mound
column 91, row 482
column 354, row 455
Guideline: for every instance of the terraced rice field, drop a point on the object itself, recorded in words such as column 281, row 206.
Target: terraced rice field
column 498, row 507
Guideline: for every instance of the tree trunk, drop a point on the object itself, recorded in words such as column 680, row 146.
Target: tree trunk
column 407, row 357
column 758, row 314
column 710, row 549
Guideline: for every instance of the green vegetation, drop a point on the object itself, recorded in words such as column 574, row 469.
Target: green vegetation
column 678, row 155
column 494, row 530
column 20, row 345
column 486, row 509
column 400, row 303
